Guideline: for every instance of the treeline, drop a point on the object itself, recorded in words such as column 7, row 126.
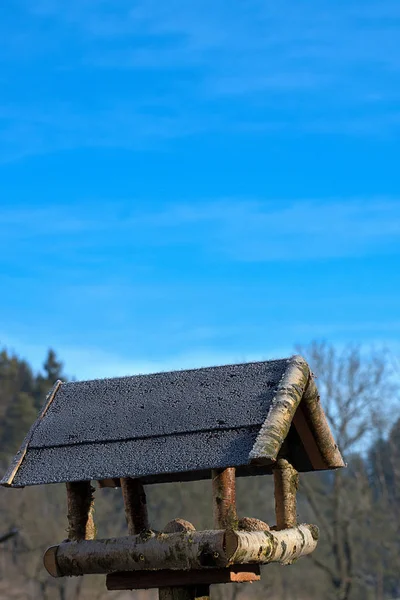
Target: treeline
column 21, row 395
column 357, row 509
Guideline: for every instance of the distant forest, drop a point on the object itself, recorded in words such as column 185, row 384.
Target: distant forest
column 357, row 508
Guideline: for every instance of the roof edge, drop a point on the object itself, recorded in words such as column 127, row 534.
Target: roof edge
column 319, row 426
column 179, row 371
column 279, row 418
column 297, row 385
column 9, row 475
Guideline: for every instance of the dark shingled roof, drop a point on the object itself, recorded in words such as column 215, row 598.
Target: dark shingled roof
column 167, row 426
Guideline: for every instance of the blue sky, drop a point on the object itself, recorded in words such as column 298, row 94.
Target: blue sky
column 192, row 183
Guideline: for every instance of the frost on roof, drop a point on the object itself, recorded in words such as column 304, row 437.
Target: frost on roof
column 160, row 404
column 142, row 458
column 165, row 426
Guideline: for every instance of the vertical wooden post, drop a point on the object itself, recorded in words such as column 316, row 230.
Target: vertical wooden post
column 224, row 498
column 187, row 592
column 135, row 505
column 80, row 504
column 286, row 480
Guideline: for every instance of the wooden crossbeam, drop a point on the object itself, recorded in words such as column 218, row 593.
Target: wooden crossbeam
column 166, row 578
column 185, row 550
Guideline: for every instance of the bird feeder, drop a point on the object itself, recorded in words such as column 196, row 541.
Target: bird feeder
column 215, row 423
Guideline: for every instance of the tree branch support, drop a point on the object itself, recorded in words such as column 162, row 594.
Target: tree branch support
column 135, row 505
column 80, row 505
column 286, row 480
column 224, row 498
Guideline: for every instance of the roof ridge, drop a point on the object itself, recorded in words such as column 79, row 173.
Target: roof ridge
column 242, row 364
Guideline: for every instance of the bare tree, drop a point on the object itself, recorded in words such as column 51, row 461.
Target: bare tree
column 6, row 536
column 354, row 386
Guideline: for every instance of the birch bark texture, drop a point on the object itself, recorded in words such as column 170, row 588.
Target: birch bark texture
column 182, row 551
column 286, row 481
column 224, row 498
column 182, row 592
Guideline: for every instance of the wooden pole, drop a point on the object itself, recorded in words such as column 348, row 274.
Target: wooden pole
column 135, row 505
column 80, row 504
column 286, row 480
column 224, row 498
column 187, row 592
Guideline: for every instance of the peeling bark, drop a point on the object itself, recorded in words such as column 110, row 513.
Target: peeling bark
column 319, row 426
column 286, row 480
column 182, row 592
column 287, row 398
column 182, row 551
column 297, row 385
column 135, row 505
column 264, row 547
column 224, row 498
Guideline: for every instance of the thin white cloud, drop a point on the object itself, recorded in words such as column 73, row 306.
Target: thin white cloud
column 259, row 37
column 238, row 230
column 36, row 130
column 276, row 229
column 269, row 58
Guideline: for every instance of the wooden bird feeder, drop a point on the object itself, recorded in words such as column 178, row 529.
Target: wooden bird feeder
column 215, row 423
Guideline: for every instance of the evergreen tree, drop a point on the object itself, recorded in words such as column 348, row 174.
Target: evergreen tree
column 19, row 417
column 364, row 523
column 52, row 367
column 15, row 376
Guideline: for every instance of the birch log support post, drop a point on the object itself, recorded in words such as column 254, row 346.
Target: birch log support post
column 184, row 551
column 80, row 504
column 135, row 505
column 286, row 481
column 189, row 592
column 224, row 498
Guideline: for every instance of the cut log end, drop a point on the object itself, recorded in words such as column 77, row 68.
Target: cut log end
column 50, row 561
